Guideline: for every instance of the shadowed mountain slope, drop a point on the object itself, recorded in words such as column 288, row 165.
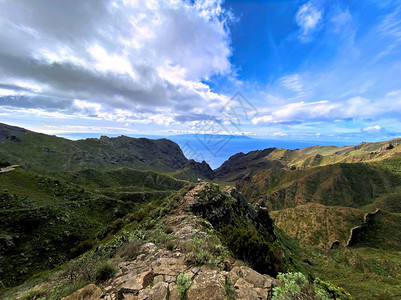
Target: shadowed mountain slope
column 53, row 154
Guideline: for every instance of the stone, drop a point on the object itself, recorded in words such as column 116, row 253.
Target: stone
column 148, row 248
column 234, row 275
column 89, row 292
column 169, row 266
column 173, row 292
column 253, row 277
column 157, row 292
column 137, row 282
column 242, row 283
column 207, row 285
column 129, row 296
column 158, row 278
column 247, row 293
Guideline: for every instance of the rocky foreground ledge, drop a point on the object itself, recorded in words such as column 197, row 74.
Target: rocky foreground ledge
column 154, row 272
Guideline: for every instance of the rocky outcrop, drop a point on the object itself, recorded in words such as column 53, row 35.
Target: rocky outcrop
column 154, row 272
column 223, row 208
column 386, row 147
column 242, row 225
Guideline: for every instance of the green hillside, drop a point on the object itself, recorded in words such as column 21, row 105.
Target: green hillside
column 242, row 164
column 353, row 185
column 44, row 219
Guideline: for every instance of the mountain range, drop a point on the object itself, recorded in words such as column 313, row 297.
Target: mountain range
column 332, row 213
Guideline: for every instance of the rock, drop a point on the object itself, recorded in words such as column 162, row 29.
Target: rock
column 129, row 296
column 157, row 292
column 207, row 285
column 158, row 278
column 253, row 277
column 148, row 248
column 89, row 292
column 250, row 284
column 138, row 282
column 173, row 292
column 386, row 147
column 169, row 266
column 169, row 278
column 248, row 293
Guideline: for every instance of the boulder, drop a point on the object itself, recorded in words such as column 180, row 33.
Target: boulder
column 138, row 282
column 207, row 285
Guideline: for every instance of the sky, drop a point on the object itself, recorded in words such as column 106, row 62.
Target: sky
column 302, row 70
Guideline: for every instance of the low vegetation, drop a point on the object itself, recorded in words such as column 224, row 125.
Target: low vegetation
column 183, row 284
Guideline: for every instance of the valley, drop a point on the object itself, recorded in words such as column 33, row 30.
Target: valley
column 331, row 213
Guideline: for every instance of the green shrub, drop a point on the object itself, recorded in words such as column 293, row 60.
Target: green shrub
column 326, row 290
column 183, row 284
column 81, row 248
column 34, row 295
column 105, row 272
column 170, row 245
column 230, row 292
column 204, row 251
column 253, row 248
column 293, row 286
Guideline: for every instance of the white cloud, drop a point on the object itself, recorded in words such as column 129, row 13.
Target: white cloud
column 292, row 82
column 296, row 112
column 308, row 18
column 391, row 24
column 131, row 55
column 6, row 92
column 376, row 129
column 328, row 111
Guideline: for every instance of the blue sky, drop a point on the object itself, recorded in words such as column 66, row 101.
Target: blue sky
column 304, row 70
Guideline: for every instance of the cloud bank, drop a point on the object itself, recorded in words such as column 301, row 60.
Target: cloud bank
column 123, row 59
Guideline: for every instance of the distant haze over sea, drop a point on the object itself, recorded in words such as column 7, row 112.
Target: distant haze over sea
column 216, row 149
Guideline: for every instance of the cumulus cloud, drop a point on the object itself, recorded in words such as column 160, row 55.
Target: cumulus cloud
column 308, row 17
column 375, row 129
column 136, row 56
